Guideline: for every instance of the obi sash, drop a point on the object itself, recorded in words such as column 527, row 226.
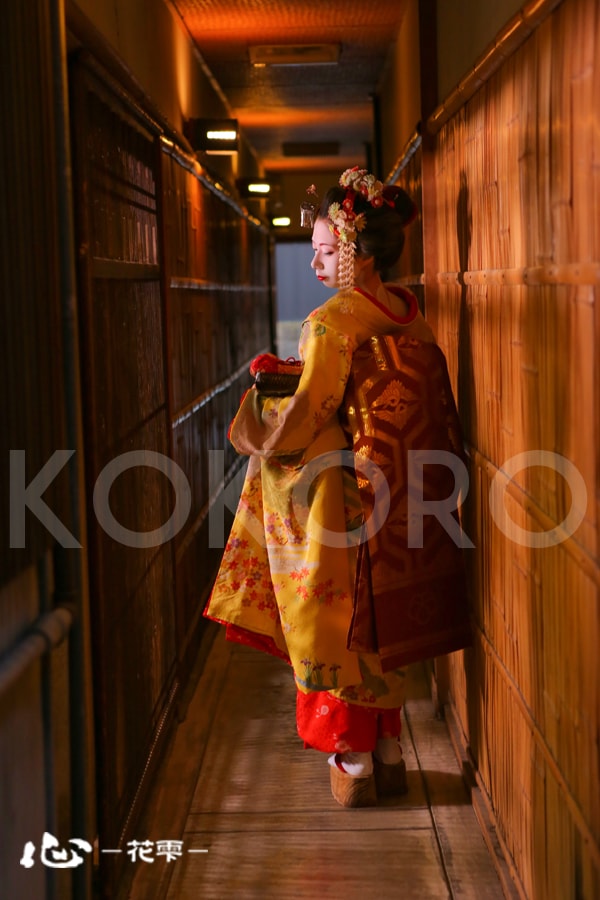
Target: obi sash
column 410, row 593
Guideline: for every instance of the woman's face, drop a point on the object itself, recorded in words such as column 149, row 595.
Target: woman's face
column 325, row 259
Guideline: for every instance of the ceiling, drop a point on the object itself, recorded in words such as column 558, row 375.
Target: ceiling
column 326, row 109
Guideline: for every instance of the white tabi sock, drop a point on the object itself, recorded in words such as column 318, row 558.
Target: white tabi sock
column 354, row 764
column 388, row 751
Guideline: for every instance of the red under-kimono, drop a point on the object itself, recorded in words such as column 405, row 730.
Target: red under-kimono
column 317, row 568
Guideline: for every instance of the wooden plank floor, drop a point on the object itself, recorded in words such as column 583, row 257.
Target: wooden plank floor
column 238, row 786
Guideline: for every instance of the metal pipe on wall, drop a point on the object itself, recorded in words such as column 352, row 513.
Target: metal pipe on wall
column 45, row 634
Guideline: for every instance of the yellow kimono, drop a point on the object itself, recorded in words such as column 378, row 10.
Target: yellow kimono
column 288, row 571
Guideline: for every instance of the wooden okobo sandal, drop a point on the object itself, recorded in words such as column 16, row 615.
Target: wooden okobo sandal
column 390, row 779
column 352, row 791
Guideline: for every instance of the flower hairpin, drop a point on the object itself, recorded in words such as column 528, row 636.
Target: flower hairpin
column 345, row 223
column 362, row 182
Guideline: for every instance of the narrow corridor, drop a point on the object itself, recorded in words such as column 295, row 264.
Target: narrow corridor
column 237, row 784
column 140, row 280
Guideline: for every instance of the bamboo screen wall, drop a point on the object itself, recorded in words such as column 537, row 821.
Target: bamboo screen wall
column 517, row 230
column 408, row 175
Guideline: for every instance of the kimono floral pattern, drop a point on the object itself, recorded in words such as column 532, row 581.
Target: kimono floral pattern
column 283, row 576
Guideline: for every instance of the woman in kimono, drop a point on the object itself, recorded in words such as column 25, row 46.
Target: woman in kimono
column 313, row 570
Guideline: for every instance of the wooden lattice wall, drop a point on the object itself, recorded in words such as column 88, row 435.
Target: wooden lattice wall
column 175, row 300
column 219, row 316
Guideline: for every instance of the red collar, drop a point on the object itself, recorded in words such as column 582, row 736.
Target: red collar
column 398, row 291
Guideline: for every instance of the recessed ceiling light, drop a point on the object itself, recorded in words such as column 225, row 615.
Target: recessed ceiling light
column 294, row 54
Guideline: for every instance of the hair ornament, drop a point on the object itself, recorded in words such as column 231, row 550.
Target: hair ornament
column 346, row 224
column 308, row 210
column 362, row 182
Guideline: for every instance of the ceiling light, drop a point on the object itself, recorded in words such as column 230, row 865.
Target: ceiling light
column 221, row 135
column 294, row 54
column 259, row 187
column 253, row 187
column 212, row 136
column 281, row 222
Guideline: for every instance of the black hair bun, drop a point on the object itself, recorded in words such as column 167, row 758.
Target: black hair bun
column 403, row 204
